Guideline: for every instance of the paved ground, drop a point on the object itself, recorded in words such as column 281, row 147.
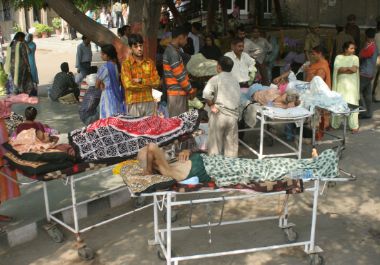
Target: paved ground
column 348, row 220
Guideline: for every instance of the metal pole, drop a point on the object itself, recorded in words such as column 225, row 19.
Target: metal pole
column 168, row 229
column 46, row 197
column 155, row 214
column 74, row 202
column 262, row 123
column 314, row 215
column 300, row 140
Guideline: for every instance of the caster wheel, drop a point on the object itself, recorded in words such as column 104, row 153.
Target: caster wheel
column 316, row 259
column 174, row 216
column 139, row 202
column 161, row 255
column 291, row 236
column 55, row 234
column 86, row 253
column 331, row 184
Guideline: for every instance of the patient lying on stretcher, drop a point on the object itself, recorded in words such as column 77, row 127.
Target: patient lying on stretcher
column 226, row 171
column 274, row 95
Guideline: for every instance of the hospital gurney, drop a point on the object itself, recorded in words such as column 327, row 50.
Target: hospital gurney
column 271, row 115
column 339, row 139
column 166, row 200
column 72, row 179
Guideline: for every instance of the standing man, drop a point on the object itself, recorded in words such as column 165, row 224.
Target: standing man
column 265, row 49
column 118, row 10
column 222, row 94
column 176, row 78
column 249, row 46
column 244, row 65
column 84, row 57
column 353, row 30
column 312, row 39
column 368, row 56
column 139, row 76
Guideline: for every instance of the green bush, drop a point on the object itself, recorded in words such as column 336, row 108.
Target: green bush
column 56, row 23
column 42, row 28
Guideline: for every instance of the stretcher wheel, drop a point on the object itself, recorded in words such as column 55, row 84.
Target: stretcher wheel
column 291, row 236
column 174, row 216
column 139, row 202
column 86, row 253
column 316, row 259
column 161, row 255
column 55, row 234
column 331, row 184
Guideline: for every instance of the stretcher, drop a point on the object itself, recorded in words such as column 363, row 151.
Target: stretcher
column 165, row 201
column 272, row 116
column 71, row 181
column 333, row 138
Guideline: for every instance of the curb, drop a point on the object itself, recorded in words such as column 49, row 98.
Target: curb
column 20, row 235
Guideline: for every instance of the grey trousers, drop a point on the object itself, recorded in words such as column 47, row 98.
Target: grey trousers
column 223, row 135
column 141, row 109
column 366, row 96
column 177, row 105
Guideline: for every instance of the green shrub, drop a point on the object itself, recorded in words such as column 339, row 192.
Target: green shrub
column 56, row 23
column 42, row 28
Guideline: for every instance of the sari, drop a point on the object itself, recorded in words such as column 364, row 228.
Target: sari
column 348, row 86
column 32, row 61
column 112, row 98
column 17, row 66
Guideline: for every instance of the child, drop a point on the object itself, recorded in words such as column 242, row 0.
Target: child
column 222, row 94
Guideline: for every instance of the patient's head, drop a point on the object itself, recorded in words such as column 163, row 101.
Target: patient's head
column 65, row 67
column 292, row 97
column 30, row 113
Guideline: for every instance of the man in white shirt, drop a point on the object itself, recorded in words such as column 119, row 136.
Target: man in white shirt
column 196, row 28
column 249, row 46
column 244, row 66
column 265, row 48
column 222, row 94
column 117, row 8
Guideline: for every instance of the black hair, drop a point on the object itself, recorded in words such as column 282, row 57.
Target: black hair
column 197, row 26
column 370, row 33
column 110, row 50
column 65, row 67
column 226, row 63
column 339, row 28
column 236, row 41
column 121, row 31
column 93, row 69
column 320, row 49
column 30, row 113
column 84, row 37
column 181, row 30
column 17, row 36
column 241, row 28
column 134, row 39
column 347, row 44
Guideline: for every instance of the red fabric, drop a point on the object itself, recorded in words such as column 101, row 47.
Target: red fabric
column 147, row 126
column 26, row 126
column 368, row 50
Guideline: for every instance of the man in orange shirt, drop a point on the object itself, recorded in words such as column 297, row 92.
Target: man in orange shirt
column 139, row 76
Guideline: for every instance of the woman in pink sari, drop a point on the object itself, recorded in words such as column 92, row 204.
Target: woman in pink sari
column 8, row 188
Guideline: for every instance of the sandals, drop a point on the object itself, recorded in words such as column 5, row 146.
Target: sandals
column 355, row 131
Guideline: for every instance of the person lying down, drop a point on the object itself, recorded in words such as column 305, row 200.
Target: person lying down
column 226, row 171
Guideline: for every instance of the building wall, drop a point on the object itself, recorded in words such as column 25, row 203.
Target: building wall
column 331, row 12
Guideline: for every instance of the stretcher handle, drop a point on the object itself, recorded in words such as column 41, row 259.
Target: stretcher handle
column 13, row 180
column 350, row 177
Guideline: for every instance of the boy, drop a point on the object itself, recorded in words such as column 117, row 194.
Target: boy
column 222, row 94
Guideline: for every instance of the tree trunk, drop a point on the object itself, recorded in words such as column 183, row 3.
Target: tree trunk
column 223, row 6
column 135, row 17
column 86, row 26
column 277, row 7
column 176, row 15
column 211, row 9
column 150, row 17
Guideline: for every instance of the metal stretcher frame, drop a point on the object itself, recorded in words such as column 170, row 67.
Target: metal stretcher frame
column 265, row 119
column 341, row 140
column 83, row 250
column 168, row 199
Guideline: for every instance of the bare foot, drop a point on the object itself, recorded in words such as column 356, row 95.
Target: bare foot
column 4, row 218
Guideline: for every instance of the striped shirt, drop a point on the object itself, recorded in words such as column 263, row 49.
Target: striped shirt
column 176, row 78
column 144, row 70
